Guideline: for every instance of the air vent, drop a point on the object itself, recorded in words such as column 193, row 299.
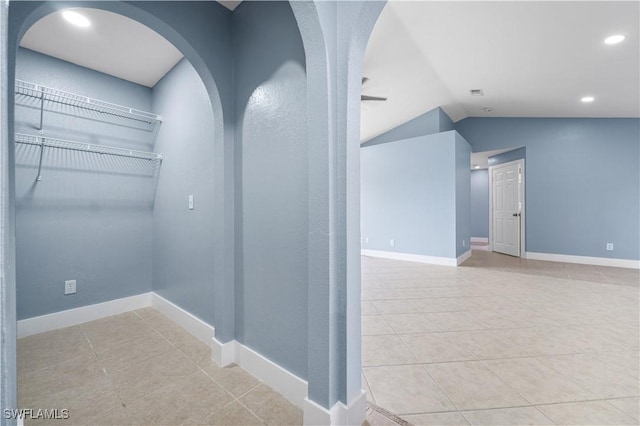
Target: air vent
column 476, row 92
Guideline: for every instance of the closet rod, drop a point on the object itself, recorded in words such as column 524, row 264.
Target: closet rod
column 49, row 94
column 46, row 142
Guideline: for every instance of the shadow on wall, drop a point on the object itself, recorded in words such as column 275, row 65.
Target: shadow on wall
column 271, row 184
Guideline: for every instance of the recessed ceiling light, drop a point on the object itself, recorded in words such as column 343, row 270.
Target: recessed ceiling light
column 587, row 99
column 614, row 39
column 76, row 19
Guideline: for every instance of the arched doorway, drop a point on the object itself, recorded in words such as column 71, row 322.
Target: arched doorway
column 201, row 68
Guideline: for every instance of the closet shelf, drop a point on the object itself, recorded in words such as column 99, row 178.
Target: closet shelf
column 46, row 142
column 49, row 94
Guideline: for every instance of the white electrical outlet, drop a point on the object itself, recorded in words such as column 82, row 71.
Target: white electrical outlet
column 392, row 243
column 610, row 246
column 190, row 201
column 70, row 287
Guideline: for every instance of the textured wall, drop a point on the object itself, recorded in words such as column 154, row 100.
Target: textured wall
column 8, row 380
column 480, row 203
column 582, row 180
column 463, row 195
column 505, row 157
column 409, row 195
column 183, row 239
column 89, row 219
column 271, row 179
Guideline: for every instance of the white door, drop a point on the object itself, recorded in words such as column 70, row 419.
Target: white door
column 507, row 208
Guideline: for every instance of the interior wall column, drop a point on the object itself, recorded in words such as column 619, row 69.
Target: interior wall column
column 335, row 35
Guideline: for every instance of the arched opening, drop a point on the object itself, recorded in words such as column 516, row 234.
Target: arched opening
column 120, row 188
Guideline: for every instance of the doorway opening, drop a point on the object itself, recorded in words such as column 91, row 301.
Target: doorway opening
column 104, row 145
column 507, row 208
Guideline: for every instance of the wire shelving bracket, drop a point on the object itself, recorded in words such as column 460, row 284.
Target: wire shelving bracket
column 48, row 94
column 46, row 142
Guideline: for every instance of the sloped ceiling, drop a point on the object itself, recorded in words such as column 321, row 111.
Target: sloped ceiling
column 531, row 59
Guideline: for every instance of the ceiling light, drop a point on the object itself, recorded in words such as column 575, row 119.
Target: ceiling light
column 475, row 166
column 76, row 19
column 614, row 39
column 587, row 99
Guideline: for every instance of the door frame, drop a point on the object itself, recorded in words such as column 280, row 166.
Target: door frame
column 522, row 185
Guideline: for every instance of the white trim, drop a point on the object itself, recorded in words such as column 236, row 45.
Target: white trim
column 292, row 387
column 314, row 414
column 585, row 260
column 479, row 240
column 75, row 316
column 447, row 261
column 464, row 256
column 522, row 188
column 223, row 354
column 339, row 414
column 282, row 381
column 194, row 325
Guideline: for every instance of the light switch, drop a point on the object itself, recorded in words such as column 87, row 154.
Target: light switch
column 190, row 201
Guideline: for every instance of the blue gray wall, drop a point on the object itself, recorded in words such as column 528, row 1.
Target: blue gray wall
column 272, row 183
column 480, row 203
column 508, row 156
column 183, row 239
column 8, row 381
column 415, row 191
column 430, row 122
column 582, row 180
column 89, row 219
column 463, row 194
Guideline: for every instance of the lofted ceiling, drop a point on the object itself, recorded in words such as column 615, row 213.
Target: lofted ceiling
column 531, row 59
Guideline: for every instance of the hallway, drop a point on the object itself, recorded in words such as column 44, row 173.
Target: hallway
column 501, row 340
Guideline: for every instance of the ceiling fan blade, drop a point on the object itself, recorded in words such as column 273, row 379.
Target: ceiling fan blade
column 372, row 98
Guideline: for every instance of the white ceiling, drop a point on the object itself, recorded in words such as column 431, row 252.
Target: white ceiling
column 113, row 44
column 531, row 59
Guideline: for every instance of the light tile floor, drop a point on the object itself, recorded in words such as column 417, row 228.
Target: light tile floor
column 140, row 368
column 501, row 340
column 497, row 341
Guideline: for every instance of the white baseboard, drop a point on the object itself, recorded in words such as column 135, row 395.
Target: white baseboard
column 292, row 387
column 464, row 256
column 584, row 260
column 223, row 354
column 433, row 260
column 481, row 240
column 75, row 316
column 282, row 381
column 339, row 414
column 194, row 325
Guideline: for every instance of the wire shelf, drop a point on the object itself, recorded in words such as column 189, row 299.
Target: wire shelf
column 46, row 142
column 49, row 94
